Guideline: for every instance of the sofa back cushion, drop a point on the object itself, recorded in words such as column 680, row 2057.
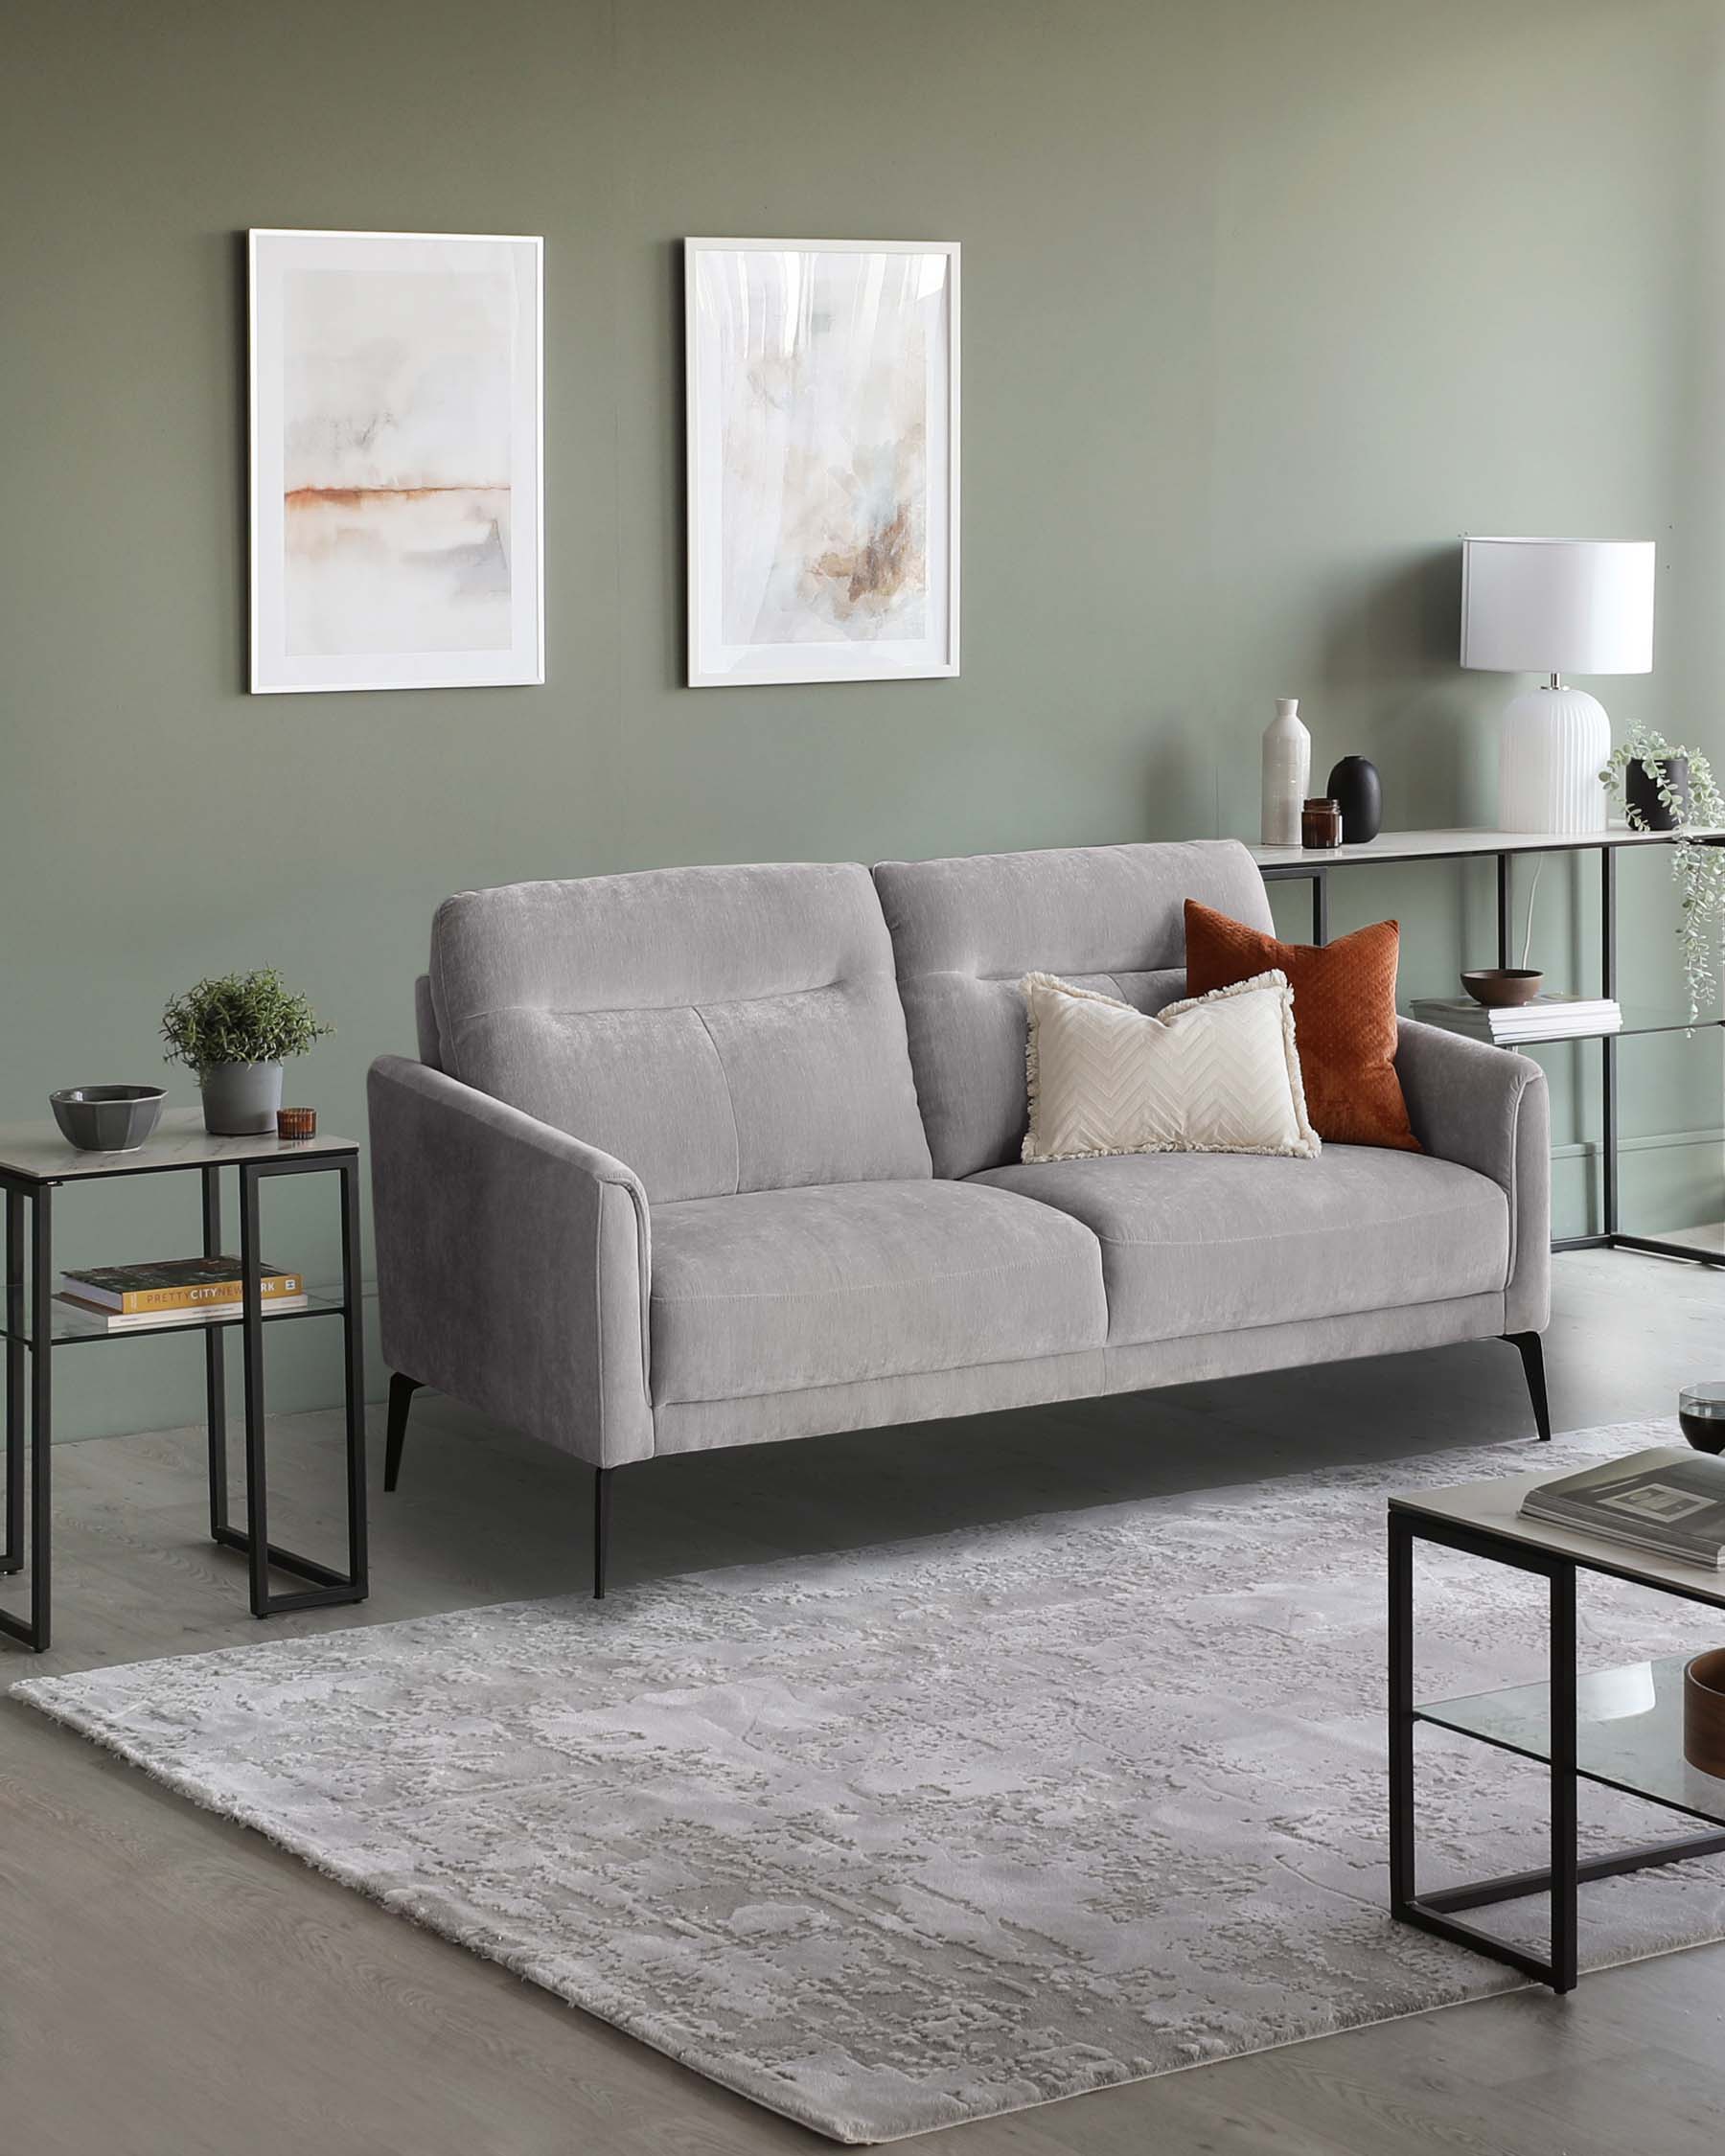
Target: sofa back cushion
column 965, row 933
column 719, row 1029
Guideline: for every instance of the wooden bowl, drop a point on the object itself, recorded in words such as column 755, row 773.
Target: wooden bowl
column 1704, row 1712
column 1502, row 988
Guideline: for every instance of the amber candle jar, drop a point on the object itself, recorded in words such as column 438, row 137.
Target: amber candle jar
column 1321, row 825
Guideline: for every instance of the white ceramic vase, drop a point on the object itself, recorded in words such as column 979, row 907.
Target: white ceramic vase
column 1287, row 774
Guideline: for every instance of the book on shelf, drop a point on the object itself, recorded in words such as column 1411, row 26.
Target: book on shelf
column 200, row 1314
column 171, row 1285
column 1668, row 1500
column 1547, row 1018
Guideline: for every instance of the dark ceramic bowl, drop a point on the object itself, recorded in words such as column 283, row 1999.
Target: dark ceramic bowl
column 1500, row 988
column 107, row 1118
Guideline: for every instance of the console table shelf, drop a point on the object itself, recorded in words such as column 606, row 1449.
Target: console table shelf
column 1281, row 865
column 1639, row 1020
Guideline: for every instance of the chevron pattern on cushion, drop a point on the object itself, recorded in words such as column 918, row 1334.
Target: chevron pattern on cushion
column 1218, row 1073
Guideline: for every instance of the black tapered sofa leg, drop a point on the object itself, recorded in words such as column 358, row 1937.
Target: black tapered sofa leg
column 1532, row 1354
column 401, row 1389
column 602, row 1478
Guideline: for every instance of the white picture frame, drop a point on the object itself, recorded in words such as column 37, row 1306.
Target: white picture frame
column 822, row 542
column 397, row 453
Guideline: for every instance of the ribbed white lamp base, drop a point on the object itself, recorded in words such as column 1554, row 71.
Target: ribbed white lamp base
column 1554, row 745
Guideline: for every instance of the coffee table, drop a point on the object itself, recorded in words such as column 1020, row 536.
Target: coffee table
column 1621, row 1729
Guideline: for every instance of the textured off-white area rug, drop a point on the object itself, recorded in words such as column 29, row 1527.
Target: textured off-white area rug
column 915, row 1835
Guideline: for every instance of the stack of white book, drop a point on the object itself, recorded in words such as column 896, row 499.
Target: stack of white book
column 1547, row 1018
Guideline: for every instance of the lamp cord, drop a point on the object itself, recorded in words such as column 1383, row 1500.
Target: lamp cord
column 1532, row 893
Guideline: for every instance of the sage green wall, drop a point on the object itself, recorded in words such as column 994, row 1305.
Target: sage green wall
column 1265, row 301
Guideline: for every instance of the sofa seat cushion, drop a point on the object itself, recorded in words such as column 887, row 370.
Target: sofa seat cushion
column 774, row 1290
column 1208, row 1243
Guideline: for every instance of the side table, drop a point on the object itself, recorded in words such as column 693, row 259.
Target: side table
column 35, row 1162
column 1620, row 1728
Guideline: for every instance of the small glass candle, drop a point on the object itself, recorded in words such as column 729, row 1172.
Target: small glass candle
column 1321, row 825
column 293, row 1124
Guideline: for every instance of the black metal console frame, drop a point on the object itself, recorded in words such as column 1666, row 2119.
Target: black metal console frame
column 1317, row 870
column 30, row 1341
column 1566, row 1872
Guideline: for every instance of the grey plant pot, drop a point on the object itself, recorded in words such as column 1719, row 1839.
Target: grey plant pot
column 241, row 1099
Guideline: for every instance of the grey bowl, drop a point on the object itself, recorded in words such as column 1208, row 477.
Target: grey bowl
column 107, row 1118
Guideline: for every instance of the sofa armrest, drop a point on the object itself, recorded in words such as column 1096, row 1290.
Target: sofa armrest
column 513, row 1264
column 1487, row 1109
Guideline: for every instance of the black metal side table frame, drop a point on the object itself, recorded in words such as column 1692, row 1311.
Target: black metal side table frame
column 1567, row 1870
column 31, row 1340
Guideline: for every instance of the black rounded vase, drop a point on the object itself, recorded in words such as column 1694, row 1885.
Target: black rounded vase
column 1354, row 785
column 1641, row 793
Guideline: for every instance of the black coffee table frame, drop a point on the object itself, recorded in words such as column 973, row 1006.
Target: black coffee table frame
column 1567, row 1872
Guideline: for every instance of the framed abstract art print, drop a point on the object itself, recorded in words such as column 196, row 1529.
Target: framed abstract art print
column 822, row 460
column 397, row 473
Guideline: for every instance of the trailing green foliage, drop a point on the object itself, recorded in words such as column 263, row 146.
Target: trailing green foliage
column 242, row 1018
column 1697, row 869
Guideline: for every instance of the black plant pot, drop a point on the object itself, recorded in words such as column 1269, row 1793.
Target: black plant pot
column 1354, row 786
column 1641, row 793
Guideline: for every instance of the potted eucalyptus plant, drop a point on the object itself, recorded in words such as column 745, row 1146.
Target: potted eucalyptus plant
column 236, row 1033
column 1665, row 787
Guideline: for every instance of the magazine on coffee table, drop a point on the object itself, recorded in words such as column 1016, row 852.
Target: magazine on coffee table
column 1669, row 1499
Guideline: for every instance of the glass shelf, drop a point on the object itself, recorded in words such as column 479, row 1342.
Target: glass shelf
column 1643, row 1018
column 1628, row 1732
column 72, row 1328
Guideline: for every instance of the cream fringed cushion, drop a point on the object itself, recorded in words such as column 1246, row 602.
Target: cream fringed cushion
column 1216, row 1074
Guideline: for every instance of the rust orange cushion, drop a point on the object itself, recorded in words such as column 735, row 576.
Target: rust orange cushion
column 1344, row 1017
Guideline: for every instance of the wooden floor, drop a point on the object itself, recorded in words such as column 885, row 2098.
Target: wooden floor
column 171, row 1985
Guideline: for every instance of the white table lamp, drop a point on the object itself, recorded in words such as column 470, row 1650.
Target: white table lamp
column 1555, row 607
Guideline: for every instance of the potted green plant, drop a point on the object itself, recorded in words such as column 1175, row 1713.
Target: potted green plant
column 236, row 1033
column 1665, row 787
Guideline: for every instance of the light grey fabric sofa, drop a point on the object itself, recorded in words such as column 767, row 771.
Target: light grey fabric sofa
column 704, row 1156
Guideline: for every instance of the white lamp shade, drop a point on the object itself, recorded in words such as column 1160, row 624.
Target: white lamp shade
column 1557, row 606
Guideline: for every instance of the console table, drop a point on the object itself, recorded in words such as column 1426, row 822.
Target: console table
column 35, row 1162
column 1280, row 865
